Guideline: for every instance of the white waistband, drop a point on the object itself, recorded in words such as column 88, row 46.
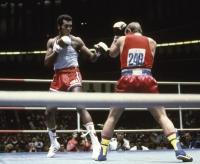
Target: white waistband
column 136, row 71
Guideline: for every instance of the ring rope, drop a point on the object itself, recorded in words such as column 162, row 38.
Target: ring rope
column 90, row 109
column 19, row 98
column 63, row 99
column 104, row 108
column 98, row 131
column 90, row 81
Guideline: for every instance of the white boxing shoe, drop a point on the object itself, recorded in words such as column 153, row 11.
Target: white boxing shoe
column 53, row 149
column 96, row 148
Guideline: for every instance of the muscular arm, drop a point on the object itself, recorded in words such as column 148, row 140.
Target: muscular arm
column 86, row 51
column 116, row 47
column 51, row 55
column 152, row 44
column 80, row 46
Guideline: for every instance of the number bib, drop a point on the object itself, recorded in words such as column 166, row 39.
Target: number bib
column 136, row 57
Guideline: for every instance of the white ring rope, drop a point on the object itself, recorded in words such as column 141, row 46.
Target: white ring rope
column 98, row 131
column 36, row 106
column 62, row 99
column 91, row 81
column 90, row 109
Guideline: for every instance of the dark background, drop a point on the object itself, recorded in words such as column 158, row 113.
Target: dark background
column 26, row 25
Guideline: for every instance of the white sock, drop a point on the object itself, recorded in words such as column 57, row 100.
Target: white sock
column 52, row 135
column 90, row 127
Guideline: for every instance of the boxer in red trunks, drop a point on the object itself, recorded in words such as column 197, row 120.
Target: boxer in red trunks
column 62, row 54
column 136, row 58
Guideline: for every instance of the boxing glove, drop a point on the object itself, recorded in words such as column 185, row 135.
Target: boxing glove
column 101, row 46
column 64, row 41
column 118, row 28
column 56, row 47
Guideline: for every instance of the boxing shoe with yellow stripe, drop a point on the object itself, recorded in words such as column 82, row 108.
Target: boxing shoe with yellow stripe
column 104, row 148
column 181, row 155
column 102, row 155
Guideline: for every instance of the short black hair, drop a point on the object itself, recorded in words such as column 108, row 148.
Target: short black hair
column 63, row 17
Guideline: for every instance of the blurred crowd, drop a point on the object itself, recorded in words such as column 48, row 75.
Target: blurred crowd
column 75, row 142
column 24, row 142
column 39, row 142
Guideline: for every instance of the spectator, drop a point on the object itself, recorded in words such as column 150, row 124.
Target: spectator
column 120, row 142
column 39, row 144
column 190, row 141
column 72, row 144
column 31, row 145
column 139, row 145
column 85, row 144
